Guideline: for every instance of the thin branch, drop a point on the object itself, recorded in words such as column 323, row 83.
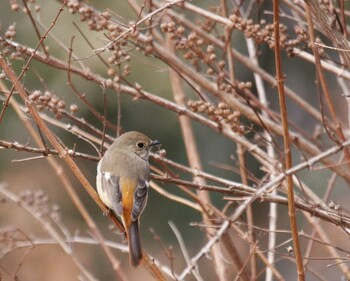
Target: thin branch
column 195, row 270
column 194, row 161
column 325, row 89
column 48, row 227
column 26, row 66
column 29, row 13
column 286, row 142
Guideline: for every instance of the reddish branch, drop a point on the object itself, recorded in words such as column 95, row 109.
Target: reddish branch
column 286, row 142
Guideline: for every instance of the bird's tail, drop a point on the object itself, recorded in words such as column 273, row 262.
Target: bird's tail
column 135, row 250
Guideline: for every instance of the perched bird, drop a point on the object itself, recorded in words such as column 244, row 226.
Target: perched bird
column 122, row 181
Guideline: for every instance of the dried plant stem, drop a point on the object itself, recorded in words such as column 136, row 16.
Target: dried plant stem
column 41, row 41
column 26, row 67
column 325, row 89
column 194, row 162
column 43, row 151
column 324, row 236
column 329, row 189
column 240, row 149
column 81, row 96
column 175, row 198
column 286, row 142
column 324, row 19
column 49, row 228
column 138, row 9
column 250, row 215
column 195, row 270
column 271, row 152
column 132, row 28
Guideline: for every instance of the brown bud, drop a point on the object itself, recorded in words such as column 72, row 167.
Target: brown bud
column 210, row 49
column 201, row 108
column 210, row 71
column 110, row 71
column 14, row 7
column 164, row 27
column 73, row 108
column 61, row 104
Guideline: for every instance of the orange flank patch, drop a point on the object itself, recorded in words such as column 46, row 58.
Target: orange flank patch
column 127, row 187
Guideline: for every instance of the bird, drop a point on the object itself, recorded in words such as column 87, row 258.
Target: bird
column 123, row 176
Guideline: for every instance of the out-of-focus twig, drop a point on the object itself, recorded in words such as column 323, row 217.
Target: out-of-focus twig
column 194, row 161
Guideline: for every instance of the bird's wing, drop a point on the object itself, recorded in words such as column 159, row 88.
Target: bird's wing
column 112, row 192
column 140, row 199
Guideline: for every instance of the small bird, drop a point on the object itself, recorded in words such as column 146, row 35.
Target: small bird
column 122, row 181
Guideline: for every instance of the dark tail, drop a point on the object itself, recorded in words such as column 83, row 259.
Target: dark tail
column 135, row 250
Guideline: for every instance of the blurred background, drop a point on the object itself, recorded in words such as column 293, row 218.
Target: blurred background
column 29, row 252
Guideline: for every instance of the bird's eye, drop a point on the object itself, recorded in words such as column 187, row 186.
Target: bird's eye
column 140, row 144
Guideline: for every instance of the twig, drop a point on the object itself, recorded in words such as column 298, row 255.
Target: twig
column 195, row 270
column 324, row 236
column 325, row 89
column 43, row 151
column 48, row 227
column 323, row 18
column 194, row 161
column 141, row 21
column 205, row 249
column 29, row 13
column 286, row 142
column 175, row 198
column 119, row 107
column 82, row 97
column 26, row 66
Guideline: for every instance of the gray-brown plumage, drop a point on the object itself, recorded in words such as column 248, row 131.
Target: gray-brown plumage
column 122, row 181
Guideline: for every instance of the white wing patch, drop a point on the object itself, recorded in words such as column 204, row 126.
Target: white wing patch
column 107, row 176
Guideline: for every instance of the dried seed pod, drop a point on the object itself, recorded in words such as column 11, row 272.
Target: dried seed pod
column 164, row 27
column 14, row 7
column 248, row 85
column 55, row 100
column 212, row 57
column 210, row 49
column 171, row 26
column 111, row 72
column 61, row 104
column 35, row 95
column 47, row 96
column 201, row 108
column 222, row 105
column 180, row 30
column 73, row 108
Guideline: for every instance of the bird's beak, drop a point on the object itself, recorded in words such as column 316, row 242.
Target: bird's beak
column 154, row 143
